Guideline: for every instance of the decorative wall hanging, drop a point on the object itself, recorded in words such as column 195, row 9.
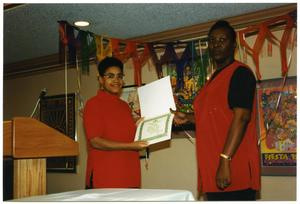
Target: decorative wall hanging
column 53, row 113
column 277, row 108
column 188, row 74
column 86, row 45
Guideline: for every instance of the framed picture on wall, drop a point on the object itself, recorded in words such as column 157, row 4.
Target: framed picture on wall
column 130, row 96
column 277, row 112
column 61, row 116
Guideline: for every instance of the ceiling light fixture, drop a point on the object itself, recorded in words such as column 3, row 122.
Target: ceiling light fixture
column 81, row 23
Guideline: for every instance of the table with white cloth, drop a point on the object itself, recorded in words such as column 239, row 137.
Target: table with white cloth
column 116, row 194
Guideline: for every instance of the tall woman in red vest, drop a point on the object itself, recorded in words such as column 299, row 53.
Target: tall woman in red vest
column 113, row 157
column 225, row 118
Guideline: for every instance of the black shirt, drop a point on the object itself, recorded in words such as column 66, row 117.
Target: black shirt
column 241, row 89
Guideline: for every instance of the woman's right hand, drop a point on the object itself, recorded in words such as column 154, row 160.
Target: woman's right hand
column 179, row 117
column 140, row 145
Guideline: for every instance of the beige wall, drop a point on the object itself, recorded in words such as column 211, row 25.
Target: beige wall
column 172, row 165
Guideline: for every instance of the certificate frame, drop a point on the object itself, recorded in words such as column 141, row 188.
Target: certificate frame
column 149, row 129
column 277, row 139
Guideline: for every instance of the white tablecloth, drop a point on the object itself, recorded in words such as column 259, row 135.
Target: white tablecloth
column 116, row 194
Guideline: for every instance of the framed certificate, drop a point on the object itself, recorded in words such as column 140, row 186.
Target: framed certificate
column 155, row 129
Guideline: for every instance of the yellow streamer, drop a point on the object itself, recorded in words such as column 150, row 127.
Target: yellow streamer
column 101, row 51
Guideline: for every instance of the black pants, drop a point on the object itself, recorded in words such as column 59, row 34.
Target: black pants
column 242, row 195
column 91, row 186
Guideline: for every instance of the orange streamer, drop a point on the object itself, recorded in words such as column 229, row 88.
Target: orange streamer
column 263, row 34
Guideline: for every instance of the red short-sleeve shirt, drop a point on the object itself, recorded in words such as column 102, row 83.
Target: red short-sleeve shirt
column 108, row 117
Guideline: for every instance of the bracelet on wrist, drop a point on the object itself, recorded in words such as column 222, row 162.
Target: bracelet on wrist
column 225, row 156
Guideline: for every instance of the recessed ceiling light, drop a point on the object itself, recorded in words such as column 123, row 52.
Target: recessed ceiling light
column 81, row 23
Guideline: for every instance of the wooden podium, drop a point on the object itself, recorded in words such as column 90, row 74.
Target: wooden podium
column 29, row 142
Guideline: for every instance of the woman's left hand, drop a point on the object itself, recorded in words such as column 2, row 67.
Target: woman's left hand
column 139, row 121
column 223, row 179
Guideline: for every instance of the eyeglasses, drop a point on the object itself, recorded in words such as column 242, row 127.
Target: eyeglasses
column 119, row 76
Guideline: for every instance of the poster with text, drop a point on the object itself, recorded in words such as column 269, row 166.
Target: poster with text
column 277, row 108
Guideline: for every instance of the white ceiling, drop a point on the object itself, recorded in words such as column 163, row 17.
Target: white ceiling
column 31, row 30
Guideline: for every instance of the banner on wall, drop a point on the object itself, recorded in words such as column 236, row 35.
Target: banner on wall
column 188, row 73
column 277, row 110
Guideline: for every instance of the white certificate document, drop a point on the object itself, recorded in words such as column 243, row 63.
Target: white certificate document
column 155, row 129
column 156, row 99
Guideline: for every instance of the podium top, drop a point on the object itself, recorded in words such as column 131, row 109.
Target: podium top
column 29, row 138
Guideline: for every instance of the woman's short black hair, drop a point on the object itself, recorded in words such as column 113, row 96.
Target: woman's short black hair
column 109, row 62
column 224, row 24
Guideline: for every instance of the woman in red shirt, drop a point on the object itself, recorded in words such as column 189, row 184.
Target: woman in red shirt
column 113, row 157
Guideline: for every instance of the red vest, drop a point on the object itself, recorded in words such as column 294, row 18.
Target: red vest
column 213, row 118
